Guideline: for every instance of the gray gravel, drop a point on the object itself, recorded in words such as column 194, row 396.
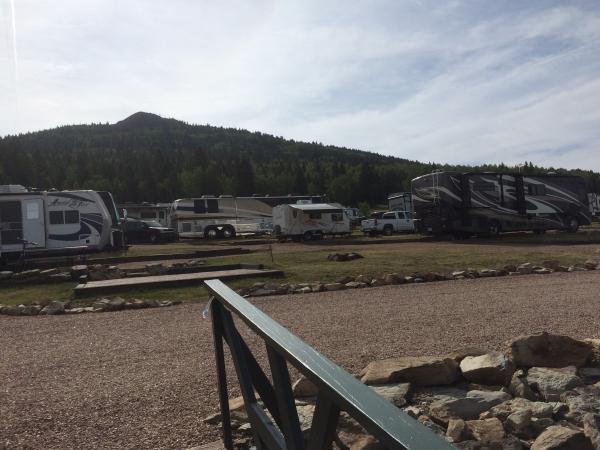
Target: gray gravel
column 146, row 379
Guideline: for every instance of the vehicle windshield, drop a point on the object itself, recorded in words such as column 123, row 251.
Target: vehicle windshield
column 152, row 223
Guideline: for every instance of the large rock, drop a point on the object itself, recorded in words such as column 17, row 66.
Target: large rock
column 420, row 370
column 333, row 286
column 594, row 358
column 518, row 423
column 589, row 375
column 456, row 430
column 469, row 407
column 549, row 350
column 492, row 368
column 561, row 438
column 115, row 304
column 581, row 400
column 518, row 386
column 395, row 393
column 54, row 307
column 591, row 428
column 551, row 383
column 538, row 409
column 487, row 430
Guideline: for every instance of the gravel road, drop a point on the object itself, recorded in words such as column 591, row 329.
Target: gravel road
column 145, row 379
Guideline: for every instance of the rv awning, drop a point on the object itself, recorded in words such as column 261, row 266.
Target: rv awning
column 316, row 207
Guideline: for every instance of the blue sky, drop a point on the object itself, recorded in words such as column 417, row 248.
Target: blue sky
column 455, row 81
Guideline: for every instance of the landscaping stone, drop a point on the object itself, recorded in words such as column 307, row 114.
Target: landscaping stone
column 549, row 350
column 333, row 286
column 115, row 304
column 29, row 310
column 425, row 370
column 541, row 271
column 491, row 368
column 591, row 428
column 561, row 438
column 519, row 422
column 54, row 307
column 487, row 430
column 518, row 386
column 456, row 430
column 392, row 278
column 395, row 393
column 525, row 268
column 552, row 264
column 303, row 387
column 581, row 400
column 589, row 375
column 552, row 382
column 151, row 303
column 469, row 407
column 538, row 409
column 591, row 264
column 355, row 284
column 594, row 358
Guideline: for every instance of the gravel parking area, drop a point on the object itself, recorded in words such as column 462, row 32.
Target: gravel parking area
column 145, row 378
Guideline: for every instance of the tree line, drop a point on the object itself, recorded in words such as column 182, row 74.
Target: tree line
column 149, row 158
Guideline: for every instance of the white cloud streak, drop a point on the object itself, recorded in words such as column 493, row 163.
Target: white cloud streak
column 450, row 82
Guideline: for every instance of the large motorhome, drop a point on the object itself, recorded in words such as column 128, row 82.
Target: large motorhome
column 56, row 222
column 227, row 216
column 158, row 212
column 489, row 203
column 594, row 204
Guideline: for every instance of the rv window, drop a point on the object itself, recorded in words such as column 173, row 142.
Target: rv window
column 57, row 218
column 536, row 189
column 337, row 217
column 199, row 207
column 186, row 227
column 212, row 206
column 33, row 211
column 72, row 216
column 314, row 215
column 148, row 215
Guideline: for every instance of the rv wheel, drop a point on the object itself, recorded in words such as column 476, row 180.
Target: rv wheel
column 228, row 232
column 153, row 239
column 494, row 229
column 307, row 236
column 572, row 225
column 211, row 233
column 388, row 230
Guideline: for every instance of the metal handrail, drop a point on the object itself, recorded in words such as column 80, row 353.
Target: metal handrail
column 337, row 389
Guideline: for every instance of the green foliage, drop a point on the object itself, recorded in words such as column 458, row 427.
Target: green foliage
column 148, row 158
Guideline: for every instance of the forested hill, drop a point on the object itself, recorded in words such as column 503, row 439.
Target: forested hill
column 149, row 158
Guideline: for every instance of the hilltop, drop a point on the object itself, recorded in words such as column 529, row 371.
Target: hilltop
column 146, row 157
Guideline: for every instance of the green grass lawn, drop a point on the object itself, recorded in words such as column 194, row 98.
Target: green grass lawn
column 308, row 263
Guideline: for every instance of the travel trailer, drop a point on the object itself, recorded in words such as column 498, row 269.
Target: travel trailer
column 158, row 212
column 594, row 203
column 227, row 216
column 489, row 203
column 56, row 222
column 309, row 221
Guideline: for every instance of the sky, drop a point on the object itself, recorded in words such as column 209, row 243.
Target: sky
column 466, row 82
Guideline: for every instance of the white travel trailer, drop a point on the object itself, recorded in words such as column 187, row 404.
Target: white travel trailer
column 309, row 221
column 227, row 216
column 159, row 212
column 46, row 222
column 594, row 202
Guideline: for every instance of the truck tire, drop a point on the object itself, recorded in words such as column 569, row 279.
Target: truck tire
column 494, row 229
column 307, row 236
column 388, row 230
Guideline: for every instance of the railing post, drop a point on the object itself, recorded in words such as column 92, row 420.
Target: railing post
column 217, row 326
column 324, row 424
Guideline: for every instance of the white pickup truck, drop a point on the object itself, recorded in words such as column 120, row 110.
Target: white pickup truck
column 389, row 222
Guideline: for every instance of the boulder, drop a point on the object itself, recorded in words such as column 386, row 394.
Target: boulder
column 54, row 307
column 549, row 350
column 518, row 423
column 542, row 271
column 561, row 438
column 525, row 268
column 29, row 310
column 591, row 428
column 392, row 278
column 594, row 358
column 581, row 400
column 552, row 382
column 423, row 370
column 518, row 386
column 355, row 284
column 333, row 286
column 591, row 264
column 538, row 409
column 363, row 279
column 461, row 353
column 589, row 375
column 491, row 368
column 151, row 303
column 303, row 387
column 551, row 264
column 469, row 407
column 395, row 393
column 115, row 304
column 456, row 431
column 487, row 430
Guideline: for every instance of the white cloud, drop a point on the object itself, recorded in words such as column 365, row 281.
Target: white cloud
column 453, row 82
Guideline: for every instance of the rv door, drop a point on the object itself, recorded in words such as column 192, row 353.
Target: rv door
column 34, row 230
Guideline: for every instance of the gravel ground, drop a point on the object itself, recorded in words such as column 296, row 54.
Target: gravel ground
column 146, row 379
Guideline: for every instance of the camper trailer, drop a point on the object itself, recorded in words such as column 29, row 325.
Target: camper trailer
column 56, row 222
column 309, row 221
column 227, row 216
column 489, row 203
column 594, row 204
column 157, row 212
